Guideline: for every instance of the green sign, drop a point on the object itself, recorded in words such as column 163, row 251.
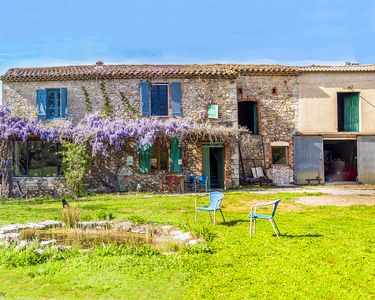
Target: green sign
column 213, row 111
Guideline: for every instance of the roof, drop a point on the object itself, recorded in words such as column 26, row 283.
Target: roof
column 167, row 71
column 141, row 72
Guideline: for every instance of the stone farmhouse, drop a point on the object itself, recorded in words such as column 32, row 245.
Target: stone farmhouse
column 303, row 124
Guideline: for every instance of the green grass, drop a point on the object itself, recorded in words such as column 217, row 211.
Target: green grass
column 325, row 252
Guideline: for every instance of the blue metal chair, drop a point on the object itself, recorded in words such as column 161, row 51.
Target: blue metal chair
column 254, row 216
column 199, row 180
column 215, row 202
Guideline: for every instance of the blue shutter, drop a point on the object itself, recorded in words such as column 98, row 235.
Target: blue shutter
column 41, row 103
column 64, row 102
column 145, row 98
column 176, row 98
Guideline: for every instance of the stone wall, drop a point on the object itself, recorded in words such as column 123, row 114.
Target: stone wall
column 277, row 98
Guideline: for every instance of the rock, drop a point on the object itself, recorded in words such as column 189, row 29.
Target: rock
column 193, row 242
column 48, row 243
column 176, row 232
column 40, row 251
column 33, row 225
column 123, row 226
column 22, row 244
column 182, row 236
column 51, row 223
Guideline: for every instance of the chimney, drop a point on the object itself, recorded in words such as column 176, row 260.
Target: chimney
column 99, row 64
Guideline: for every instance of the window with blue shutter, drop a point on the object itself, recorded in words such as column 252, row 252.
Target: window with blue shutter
column 145, row 98
column 52, row 103
column 176, row 98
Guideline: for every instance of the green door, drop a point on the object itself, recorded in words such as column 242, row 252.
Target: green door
column 351, row 112
column 213, row 164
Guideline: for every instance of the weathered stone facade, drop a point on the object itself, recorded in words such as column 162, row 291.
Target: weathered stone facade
column 277, row 98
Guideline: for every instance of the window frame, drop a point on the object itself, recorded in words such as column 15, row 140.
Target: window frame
column 168, row 98
column 286, row 155
column 58, row 166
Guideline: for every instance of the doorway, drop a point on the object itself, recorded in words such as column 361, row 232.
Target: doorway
column 340, row 160
column 213, row 164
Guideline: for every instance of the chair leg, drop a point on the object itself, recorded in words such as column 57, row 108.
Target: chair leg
column 277, row 228
column 215, row 217
column 210, row 215
column 196, row 215
column 251, row 226
column 274, row 228
column 255, row 227
column 222, row 215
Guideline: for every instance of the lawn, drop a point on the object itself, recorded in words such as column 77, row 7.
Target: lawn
column 325, row 252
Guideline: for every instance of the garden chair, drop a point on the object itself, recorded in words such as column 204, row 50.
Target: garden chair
column 200, row 180
column 215, row 202
column 254, row 216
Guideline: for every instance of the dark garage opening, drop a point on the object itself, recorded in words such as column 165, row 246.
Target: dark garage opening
column 340, row 160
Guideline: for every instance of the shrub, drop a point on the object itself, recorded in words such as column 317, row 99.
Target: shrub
column 70, row 216
column 137, row 220
column 205, row 233
column 103, row 215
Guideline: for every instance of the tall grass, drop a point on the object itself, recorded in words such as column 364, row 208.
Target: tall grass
column 70, row 216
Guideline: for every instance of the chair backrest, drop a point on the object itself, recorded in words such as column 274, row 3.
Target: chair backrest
column 202, row 179
column 193, row 179
column 215, row 199
column 275, row 204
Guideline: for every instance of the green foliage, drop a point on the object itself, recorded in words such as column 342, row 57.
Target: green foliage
column 104, row 215
column 205, row 233
column 199, row 249
column 137, row 219
column 29, row 256
column 107, row 108
column 75, row 162
column 87, row 99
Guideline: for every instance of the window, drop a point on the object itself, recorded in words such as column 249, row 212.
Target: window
column 36, row 158
column 248, row 115
column 348, row 112
column 159, row 100
column 51, row 103
column 159, row 158
column 279, row 155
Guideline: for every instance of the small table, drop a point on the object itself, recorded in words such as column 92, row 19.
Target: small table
column 175, row 182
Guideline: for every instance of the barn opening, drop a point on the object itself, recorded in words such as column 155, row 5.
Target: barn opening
column 340, row 160
column 248, row 115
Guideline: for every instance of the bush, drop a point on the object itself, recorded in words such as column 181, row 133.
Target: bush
column 103, row 215
column 70, row 216
column 205, row 233
column 137, row 220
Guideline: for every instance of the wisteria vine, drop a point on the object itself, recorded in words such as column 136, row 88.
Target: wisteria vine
column 106, row 134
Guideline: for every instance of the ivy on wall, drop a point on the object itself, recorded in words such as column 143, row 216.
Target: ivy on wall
column 107, row 108
column 130, row 108
column 87, row 99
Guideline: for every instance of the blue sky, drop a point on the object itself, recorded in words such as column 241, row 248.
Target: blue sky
column 64, row 32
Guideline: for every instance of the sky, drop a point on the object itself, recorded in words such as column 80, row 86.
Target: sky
column 71, row 32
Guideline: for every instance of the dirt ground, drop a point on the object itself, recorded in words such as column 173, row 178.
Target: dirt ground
column 340, row 195
column 336, row 200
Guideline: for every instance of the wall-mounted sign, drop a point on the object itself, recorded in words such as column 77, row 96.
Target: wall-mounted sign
column 213, row 111
column 129, row 160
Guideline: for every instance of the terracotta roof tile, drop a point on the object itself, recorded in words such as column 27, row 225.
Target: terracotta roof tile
column 141, row 71
column 167, row 71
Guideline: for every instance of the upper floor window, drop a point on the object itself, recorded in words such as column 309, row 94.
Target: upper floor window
column 248, row 115
column 348, row 112
column 36, row 158
column 52, row 103
column 279, row 155
column 157, row 98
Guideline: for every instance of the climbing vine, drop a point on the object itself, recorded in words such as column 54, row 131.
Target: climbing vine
column 75, row 161
column 130, row 108
column 107, row 109
column 87, row 99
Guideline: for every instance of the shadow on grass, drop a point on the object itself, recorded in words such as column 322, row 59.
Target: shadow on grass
column 293, row 236
column 235, row 222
